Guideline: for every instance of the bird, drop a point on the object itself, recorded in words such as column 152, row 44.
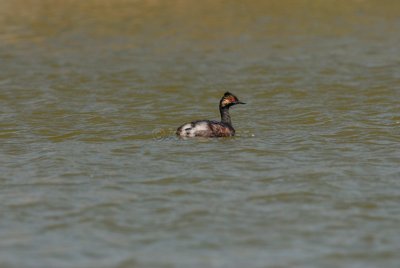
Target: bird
column 212, row 128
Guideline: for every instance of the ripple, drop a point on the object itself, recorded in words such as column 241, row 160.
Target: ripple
column 296, row 197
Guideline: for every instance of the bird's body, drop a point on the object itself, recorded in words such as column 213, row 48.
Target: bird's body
column 205, row 128
column 211, row 128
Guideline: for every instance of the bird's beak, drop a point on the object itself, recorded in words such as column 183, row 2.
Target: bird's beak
column 239, row 102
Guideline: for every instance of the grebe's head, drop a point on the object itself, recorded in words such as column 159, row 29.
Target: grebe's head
column 229, row 100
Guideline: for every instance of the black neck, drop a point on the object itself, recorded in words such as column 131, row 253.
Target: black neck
column 225, row 117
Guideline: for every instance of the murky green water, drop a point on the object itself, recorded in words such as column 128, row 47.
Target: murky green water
column 92, row 175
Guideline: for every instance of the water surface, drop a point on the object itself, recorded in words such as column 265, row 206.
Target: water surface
column 92, row 175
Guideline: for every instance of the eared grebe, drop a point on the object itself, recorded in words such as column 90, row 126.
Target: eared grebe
column 208, row 128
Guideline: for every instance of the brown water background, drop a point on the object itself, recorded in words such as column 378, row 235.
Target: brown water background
column 91, row 174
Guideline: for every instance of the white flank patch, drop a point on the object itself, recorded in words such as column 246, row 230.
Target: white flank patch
column 201, row 127
column 189, row 131
column 186, row 126
column 186, row 130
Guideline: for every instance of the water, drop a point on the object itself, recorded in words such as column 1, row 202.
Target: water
column 92, row 175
